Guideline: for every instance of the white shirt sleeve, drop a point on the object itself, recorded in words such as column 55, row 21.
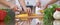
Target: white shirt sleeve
column 17, row 3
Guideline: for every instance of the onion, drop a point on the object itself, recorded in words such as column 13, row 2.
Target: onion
column 56, row 22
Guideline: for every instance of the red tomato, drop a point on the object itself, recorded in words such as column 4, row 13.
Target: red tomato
column 58, row 9
column 3, row 14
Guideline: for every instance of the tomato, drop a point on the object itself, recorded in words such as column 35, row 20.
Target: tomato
column 3, row 14
column 58, row 9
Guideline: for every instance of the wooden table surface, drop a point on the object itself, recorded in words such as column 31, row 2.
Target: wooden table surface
column 40, row 16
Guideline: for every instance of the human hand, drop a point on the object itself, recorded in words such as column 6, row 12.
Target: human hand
column 45, row 6
column 16, row 8
column 27, row 10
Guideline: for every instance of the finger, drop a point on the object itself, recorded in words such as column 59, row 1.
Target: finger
column 29, row 10
column 15, row 9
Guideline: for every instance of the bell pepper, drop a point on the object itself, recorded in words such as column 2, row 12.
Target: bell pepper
column 3, row 14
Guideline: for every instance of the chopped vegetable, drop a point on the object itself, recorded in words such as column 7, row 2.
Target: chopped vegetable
column 48, row 14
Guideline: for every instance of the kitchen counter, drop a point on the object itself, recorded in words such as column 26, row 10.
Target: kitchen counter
column 29, row 19
column 55, row 22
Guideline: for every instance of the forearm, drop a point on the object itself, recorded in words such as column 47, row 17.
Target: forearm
column 52, row 1
column 8, row 4
column 22, row 2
